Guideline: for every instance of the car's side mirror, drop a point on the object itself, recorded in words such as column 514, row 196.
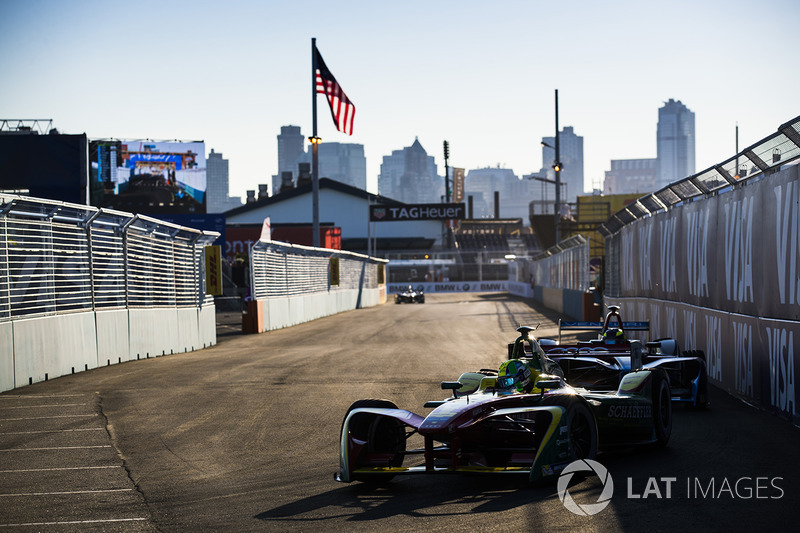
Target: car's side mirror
column 548, row 384
column 453, row 386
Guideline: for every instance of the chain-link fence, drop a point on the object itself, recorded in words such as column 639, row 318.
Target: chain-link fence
column 60, row 258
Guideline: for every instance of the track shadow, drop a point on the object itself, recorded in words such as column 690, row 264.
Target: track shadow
column 423, row 496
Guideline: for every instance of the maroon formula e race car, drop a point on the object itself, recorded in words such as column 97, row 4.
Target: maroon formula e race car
column 522, row 419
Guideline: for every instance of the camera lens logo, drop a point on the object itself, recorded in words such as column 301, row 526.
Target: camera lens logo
column 586, row 509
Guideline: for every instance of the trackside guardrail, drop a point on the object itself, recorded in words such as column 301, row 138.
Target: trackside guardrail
column 292, row 284
column 82, row 287
column 718, row 270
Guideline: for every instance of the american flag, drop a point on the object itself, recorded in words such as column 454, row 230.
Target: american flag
column 342, row 109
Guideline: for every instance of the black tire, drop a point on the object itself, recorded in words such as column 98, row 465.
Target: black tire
column 582, row 431
column 662, row 407
column 383, row 435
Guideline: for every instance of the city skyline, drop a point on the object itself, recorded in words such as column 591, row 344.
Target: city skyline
column 482, row 78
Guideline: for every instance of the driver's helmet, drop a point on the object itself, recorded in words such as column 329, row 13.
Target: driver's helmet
column 515, row 374
column 613, row 336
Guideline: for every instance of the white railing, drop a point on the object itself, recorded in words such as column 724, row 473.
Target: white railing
column 59, row 258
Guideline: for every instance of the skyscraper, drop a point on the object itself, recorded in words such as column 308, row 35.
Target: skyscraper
column 631, row 176
column 571, row 155
column 343, row 162
column 675, row 143
column 513, row 194
column 409, row 175
column 290, row 148
column 218, row 185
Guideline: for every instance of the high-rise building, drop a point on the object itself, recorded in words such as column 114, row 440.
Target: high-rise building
column 631, row 176
column 675, row 143
column 410, row 176
column 571, row 155
column 343, row 162
column 290, row 149
column 513, row 194
column 218, row 185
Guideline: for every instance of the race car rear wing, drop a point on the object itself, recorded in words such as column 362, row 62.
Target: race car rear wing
column 598, row 326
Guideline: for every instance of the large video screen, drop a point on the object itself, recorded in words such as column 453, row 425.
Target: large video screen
column 149, row 177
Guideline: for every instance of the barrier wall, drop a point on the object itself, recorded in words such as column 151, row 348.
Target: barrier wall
column 52, row 346
column 278, row 313
column 113, row 340
column 721, row 275
column 82, row 287
column 293, row 284
column 750, row 357
column 6, row 356
column 42, row 348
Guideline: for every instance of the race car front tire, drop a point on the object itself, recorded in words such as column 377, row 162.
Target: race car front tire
column 383, row 435
column 662, row 407
column 582, row 431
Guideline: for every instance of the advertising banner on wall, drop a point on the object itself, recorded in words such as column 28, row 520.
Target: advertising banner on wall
column 394, row 213
column 737, row 252
column 451, row 286
column 149, row 177
column 722, row 275
column 748, row 356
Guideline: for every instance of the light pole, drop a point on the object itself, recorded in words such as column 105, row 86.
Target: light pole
column 557, row 168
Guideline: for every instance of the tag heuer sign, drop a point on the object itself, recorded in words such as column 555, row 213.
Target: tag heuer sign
column 380, row 213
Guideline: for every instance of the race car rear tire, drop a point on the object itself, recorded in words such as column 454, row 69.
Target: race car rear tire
column 383, row 435
column 582, row 431
column 662, row 408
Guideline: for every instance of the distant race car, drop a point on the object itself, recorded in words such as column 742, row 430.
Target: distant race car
column 487, row 427
column 601, row 364
column 409, row 296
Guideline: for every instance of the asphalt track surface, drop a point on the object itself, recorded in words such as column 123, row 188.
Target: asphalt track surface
column 243, row 437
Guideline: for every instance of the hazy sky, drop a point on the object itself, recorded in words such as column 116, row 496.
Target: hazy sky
column 481, row 75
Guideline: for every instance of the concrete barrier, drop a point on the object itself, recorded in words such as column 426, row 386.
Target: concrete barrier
column 553, row 299
column 6, row 356
column 42, row 348
column 153, row 332
column 53, row 346
column 188, row 329
column 573, row 303
column 278, row 313
column 207, row 326
column 750, row 357
column 112, row 336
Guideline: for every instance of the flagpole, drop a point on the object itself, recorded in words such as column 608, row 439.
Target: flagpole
column 314, row 145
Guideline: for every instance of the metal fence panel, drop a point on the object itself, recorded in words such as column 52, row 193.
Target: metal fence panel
column 60, row 258
column 108, row 267
column 281, row 270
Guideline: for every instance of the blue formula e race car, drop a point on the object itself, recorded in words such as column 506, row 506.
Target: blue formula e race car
column 601, row 363
column 521, row 419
